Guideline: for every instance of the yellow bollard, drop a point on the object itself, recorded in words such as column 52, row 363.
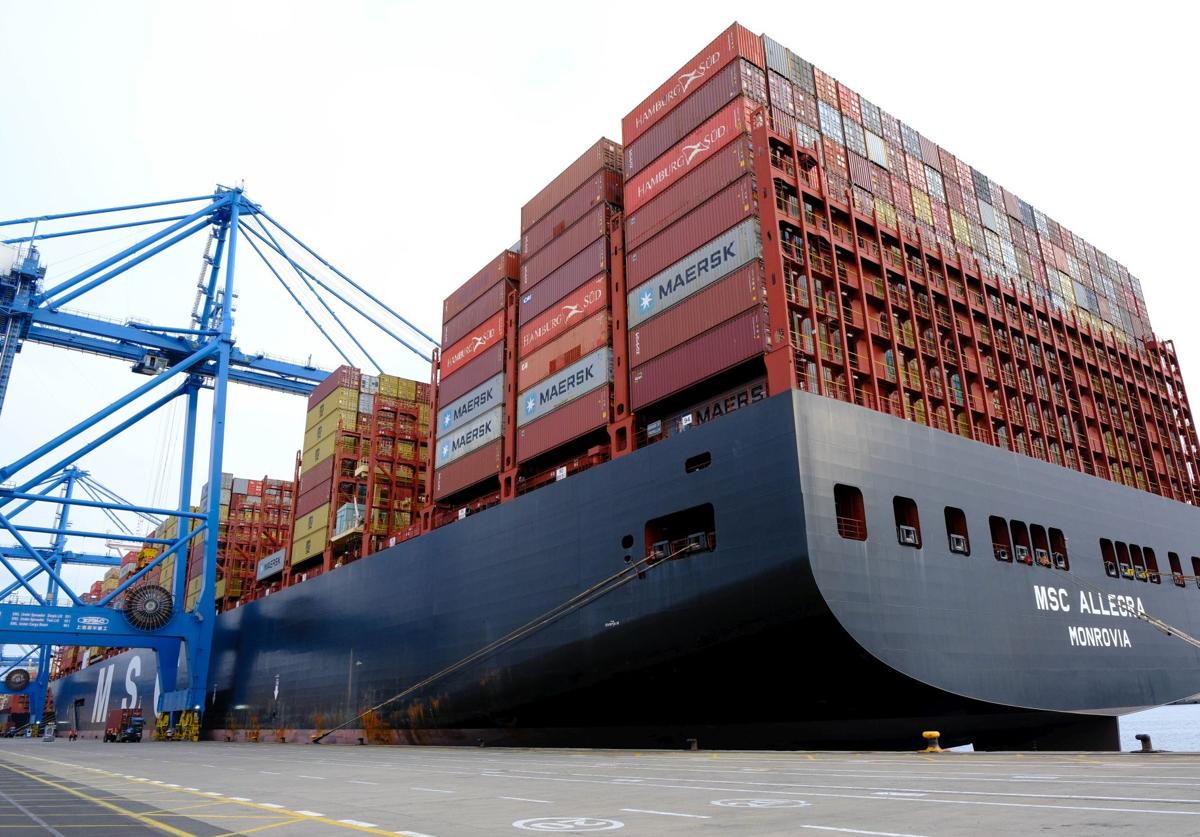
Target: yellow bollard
column 931, row 738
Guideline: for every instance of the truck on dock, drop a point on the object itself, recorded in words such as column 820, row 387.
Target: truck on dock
column 124, row 725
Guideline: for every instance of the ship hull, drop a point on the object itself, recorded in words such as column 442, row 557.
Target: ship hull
column 784, row 635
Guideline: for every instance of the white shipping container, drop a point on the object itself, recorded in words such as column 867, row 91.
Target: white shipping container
column 8, row 258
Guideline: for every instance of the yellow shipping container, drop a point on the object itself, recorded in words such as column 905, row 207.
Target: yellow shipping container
column 316, row 455
column 406, row 389
column 306, row 547
column 219, row 590
column 315, row 522
column 389, row 386
column 326, row 428
column 342, row 399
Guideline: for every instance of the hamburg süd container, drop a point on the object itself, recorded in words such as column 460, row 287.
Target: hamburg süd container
column 484, row 364
column 583, row 339
column 568, row 312
column 489, row 302
column 475, row 344
column 580, row 269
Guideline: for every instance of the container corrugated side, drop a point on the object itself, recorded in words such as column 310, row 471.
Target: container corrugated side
column 316, row 476
column 606, row 187
column 316, row 496
column 605, row 154
column 734, row 42
column 574, row 240
column 698, row 186
column 472, row 468
column 582, row 339
column 581, row 416
column 584, row 375
column 700, row 358
column 491, row 333
column 489, row 303
column 729, row 207
column 343, row 376
column 471, row 375
column 740, row 291
column 582, row 268
column 473, row 435
column 505, row 266
column 566, row 313
column 342, row 399
column 740, row 78
column 486, row 396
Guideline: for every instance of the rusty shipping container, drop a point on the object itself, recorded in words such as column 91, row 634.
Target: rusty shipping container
column 483, row 366
column 583, row 415
column 480, row 340
column 740, row 291
column 469, row 470
column 734, row 42
column 605, row 154
column 583, row 338
column 716, row 350
column 574, row 240
column 489, row 302
column 740, row 78
column 582, row 268
column 729, row 207
column 726, row 166
column 564, row 314
column 606, row 187
column 505, row 266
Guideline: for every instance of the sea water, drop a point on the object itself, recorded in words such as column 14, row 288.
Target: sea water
column 1169, row 727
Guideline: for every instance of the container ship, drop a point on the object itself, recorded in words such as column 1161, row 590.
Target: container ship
column 780, row 426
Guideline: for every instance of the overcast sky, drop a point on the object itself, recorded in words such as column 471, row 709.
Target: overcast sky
column 400, row 140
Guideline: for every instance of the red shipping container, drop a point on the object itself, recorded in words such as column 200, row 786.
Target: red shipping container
column 605, row 187
column 561, row 282
column 505, row 266
column 343, row 376
column 701, row 184
column 693, row 150
column 487, row 335
column 737, row 79
column 738, row 292
column 567, row 313
column 315, row 497
column 734, row 42
column 470, row 469
column 584, row 338
column 322, row 472
column 576, row 239
column 460, row 325
column 485, row 365
column 730, row 206
column 568, row 422
column 860, row 170
column 605, row 154
column 712, row 352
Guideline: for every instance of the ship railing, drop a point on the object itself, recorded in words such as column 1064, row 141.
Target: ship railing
column 853, row 528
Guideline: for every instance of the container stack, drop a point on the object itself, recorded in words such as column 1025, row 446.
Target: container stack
column 564, row 344
column 474, row 383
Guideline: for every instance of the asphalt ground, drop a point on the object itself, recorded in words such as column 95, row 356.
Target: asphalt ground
column 91, row 788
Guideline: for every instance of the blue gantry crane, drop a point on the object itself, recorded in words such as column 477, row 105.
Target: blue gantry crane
column 180, row 361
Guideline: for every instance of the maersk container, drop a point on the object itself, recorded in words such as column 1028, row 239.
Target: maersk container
column 574, row 240
column 606, row 187
column 605, row 154
column 693, row 150
column 458, row 356
column 471, row 375
column 489, row 303
column 469, row 470
column 583, row 268
column 726, row 166
column 735, row 42
column 472, row 436
column 582, row 376
column 582, row 339
column 707, row 264
column 729, row 207
column 740, row 78
column 583, row 415
column 465, row 408
column 563, row 315
column 505, row 266
column 702, row 357
column 740, row 291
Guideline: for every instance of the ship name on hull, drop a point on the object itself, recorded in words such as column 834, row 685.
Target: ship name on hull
column 1057, row 599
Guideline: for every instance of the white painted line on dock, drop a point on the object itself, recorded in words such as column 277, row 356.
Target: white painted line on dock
column 900, row 793
column 430, row 790
column 858, row 831
column 413, row 834
column 308, row 813
column 240, row 799
column 303, row 776
column 270, row 773
column 270, row 805
column 212, row 793
column 526, row 799
column 360, row 782
column 665, row 813
column 360, row 823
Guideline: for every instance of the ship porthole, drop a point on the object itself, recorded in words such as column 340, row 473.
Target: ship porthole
column 627, row 542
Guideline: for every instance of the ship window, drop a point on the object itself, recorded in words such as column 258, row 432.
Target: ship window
column 682, row 533
column 908, row 523
column 1058, row 550
column 1176, row 569
column 956, row 531
column 698, row 462
column 851, row 513
column 1110, row 558
column 1196, row 570
column 1139, row 562
column 1001, row 543
column 1124, row 565
column 627, row 542
column 1152, row 566
column 1041, row 545
column 1021, row 547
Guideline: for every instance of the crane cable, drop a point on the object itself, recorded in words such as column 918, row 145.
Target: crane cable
column 591, row 594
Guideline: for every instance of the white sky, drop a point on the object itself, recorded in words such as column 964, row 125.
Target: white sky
column 400, row 140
